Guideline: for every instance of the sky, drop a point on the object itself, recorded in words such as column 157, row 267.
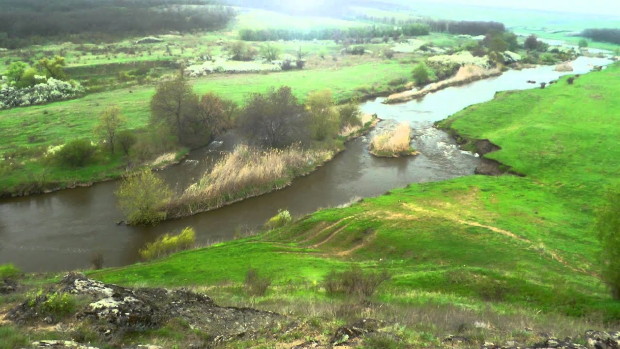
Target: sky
column 606, row 7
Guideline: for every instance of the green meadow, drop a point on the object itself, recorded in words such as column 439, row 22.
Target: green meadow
column 502, row 247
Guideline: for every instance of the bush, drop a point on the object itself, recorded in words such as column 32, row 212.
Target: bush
column 125, row 140
column 354, row 282
column 8, row 271
column 168, row 244
column 324, row 118
column 37, row 92
column 421, row 74
column 142, row 197
column 57, row 304
column 76, row 153
column 255, row 285
column 350, row 115
column 281, row 219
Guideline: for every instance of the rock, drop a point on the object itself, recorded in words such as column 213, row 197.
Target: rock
column 59, row 344
column 149, row 40
column 552, row 343
column 8, row 286
column 115, row 309
column 357, row 329
column 456, row 340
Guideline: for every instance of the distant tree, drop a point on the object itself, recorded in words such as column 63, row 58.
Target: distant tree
column 211, row 116
column 110, row 121
column 274, row 119
column 16, row 71
column 421, row 75
column 583, row 43
column 269, row 52
column 241, row 51
column 142, row 197
column 324, row 118
column 29, row 78
column 125, row 140
column 532, row 43
column 495, row 41
column 53, row 68
column 173, row 102
column 608, row 230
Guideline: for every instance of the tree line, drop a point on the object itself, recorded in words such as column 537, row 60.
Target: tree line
column 606, row 35
column 337, row 34
column 443, row 26
column 26, row 22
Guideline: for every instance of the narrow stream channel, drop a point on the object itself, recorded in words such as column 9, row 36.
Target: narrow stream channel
column 62, row 230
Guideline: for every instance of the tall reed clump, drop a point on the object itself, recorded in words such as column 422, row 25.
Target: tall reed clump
column 393, row 143
column 244, row 173
column 168, row 244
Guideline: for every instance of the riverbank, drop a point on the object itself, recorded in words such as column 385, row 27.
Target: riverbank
column 466, row 74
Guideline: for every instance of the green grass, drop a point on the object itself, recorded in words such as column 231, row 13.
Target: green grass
column 509, row 243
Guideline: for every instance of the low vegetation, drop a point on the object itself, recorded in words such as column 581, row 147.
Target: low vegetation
column 244, row 173
column 168, row 244
column 142, row 197
column 394, row 143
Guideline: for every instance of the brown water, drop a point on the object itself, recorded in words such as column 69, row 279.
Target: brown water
column 62, row 230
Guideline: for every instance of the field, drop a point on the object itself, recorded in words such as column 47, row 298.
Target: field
column 501, row 247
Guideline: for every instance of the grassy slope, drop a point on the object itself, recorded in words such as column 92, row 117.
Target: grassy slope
column 521, row 243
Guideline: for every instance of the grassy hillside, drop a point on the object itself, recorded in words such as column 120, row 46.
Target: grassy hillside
column 497, row 247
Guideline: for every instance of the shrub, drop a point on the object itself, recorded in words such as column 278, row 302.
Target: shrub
column 125, row 140
column 96, row 260
column 350, row 115
column 142, row 197
column 58, row 304
column 8, row 271
column 421, row 74
column 255, row 285
column 168, row 244
column 37, row 91
column 281, row 219
column 76, row 153
column 354, row 282
column 324, row 118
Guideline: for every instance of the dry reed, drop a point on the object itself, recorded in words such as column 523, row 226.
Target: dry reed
column 247, row 172
column 393, row 143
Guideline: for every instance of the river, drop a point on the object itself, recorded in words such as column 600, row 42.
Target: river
column 62, row 230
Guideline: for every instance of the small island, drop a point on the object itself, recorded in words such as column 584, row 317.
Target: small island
column 393, row 143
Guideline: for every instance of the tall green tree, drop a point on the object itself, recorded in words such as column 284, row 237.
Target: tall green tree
column 110, row 121
column 53, row 68
column 142, row 198
column 324, row 117
column 173, row 102
column 608, row 230
column 421, row 75
column 16, row 71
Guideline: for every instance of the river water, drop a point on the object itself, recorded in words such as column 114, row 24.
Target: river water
column 62, row 230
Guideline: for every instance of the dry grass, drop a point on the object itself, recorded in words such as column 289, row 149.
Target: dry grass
column 393, row 143
column 247, row 172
